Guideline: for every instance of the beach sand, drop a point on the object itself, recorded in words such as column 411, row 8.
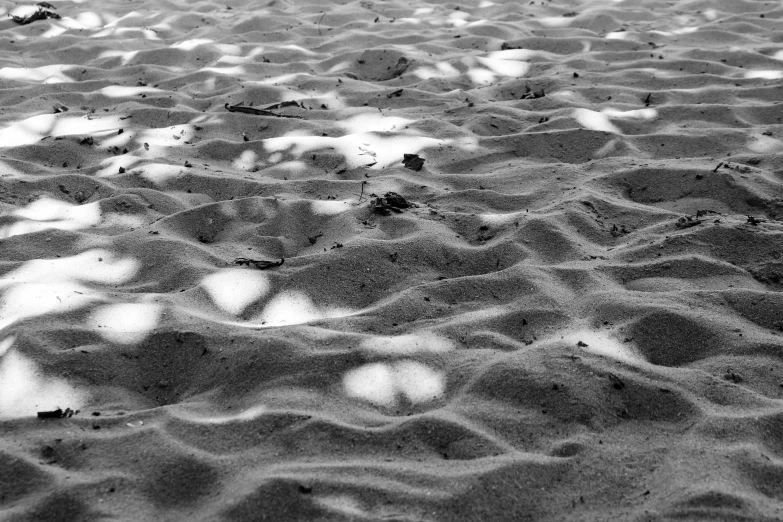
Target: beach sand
column 385, row 260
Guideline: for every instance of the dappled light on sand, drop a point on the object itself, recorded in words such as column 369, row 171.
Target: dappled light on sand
column 25, row 300
column 601, row 343
column 34, row 129
column 57, row 286
column 362, row 149
column 369, row 260
column 293, row 307
column 25, row 389
column 408, row 344
column 45, row 74
column 98, row 266
column 125, row 323
column 234, row 289
column 47, row 213
column 382, row 383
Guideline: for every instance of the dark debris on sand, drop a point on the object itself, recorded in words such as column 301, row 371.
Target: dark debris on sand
column 258, row 263
column 390, row 202
column 41, row 14
column 413, row 161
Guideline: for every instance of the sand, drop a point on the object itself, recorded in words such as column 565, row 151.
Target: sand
column 385, row 260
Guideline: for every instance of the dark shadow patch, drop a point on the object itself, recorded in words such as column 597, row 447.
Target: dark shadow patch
column 60, row 507
column 278, row 499
column 180, row 482
column 19, row 478
column 380, row 65
column 671, row 339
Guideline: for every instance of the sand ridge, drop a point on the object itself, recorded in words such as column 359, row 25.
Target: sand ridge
column 375, row 260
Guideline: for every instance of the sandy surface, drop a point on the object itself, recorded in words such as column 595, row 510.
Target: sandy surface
column 247, row 302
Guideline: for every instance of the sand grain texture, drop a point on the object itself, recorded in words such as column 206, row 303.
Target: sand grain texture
column 211, row 249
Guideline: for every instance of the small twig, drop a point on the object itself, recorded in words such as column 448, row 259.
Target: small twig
column 719, row 166
column 361, row 194
column 259, row 112
column 258, row 263
column 319, row 23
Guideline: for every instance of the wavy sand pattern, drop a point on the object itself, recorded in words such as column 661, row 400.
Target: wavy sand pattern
column 578, row 317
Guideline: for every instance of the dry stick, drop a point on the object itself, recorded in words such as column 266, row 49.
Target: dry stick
column 319, row 23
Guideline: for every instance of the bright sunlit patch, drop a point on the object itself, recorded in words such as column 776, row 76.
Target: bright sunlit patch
column 339, row 66
column 594, row 121
column 480, row 76
column 380, row 383
column 555, row 21
column 98, row 266
column 761, row 144
column 89, row 19
column 494, row 219
column 47, row 214
column 293, row 307
column 617, row 35
column 125, row 323
column 417, row 382
column 374, row 122
column 441, row 70
column 234, row 289
column 408, row 344
column 764, row 75
column 243, row 416
column 189, row 45
column 299, row 48
column 372, row 382
column 231, row 59
column 173, row 136
column 6, row 344
column 344, row 505
column 125, row 56
column 685, row 30
column 229, row 49
column 26, row 300
column 292, row 167
column 329, row 207
column 120, row 91
column 25, row 390
column 246, row 160
column 513, row 54
column 600, row 343
column 289, row 307
column 710, row 14
column 237, row 70
column 502, row 67
column 458, row 19
column 162, row 172
column 648, row 114
column 47, row 73
column 35, row 128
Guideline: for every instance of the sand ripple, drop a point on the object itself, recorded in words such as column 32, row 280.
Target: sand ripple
column 575, row 315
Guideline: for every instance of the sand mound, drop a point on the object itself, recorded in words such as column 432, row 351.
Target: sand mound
column 381, row 260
